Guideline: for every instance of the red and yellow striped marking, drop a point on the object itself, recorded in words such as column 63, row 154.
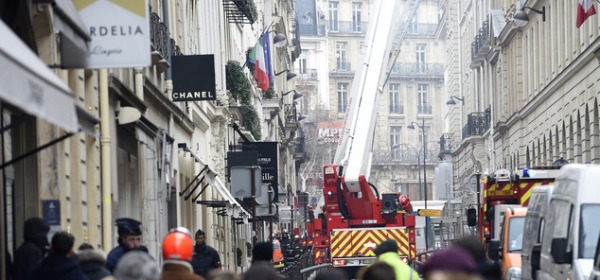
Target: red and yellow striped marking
column 351, row 243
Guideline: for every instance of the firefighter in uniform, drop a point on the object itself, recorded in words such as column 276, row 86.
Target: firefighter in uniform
column 297, row 245
column 278, row 260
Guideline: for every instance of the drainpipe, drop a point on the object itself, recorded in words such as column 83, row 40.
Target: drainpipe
column 168, row 81
column 105, row 157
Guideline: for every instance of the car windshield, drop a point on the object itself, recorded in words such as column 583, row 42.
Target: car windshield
column 515, row 234
column 589, row 229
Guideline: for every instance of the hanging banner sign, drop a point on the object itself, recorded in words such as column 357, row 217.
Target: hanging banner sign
column 120, row 32
column 193, row 77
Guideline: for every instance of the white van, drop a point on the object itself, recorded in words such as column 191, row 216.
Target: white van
column 534, row 228
column 596, row 272
column 571, row 225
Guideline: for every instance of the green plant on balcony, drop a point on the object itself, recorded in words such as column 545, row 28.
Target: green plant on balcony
column 241, row 89
column 250, row 120
column 248, row 8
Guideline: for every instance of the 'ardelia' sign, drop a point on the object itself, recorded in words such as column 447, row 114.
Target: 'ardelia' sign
column 120, row 32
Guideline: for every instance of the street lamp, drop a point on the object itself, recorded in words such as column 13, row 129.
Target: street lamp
column 452, row 99
column 521, row 18
column 422, row 127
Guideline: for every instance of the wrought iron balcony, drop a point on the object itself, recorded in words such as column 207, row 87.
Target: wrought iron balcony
column 445, row 144
column 411, row 156
column 356, row 27
column 159, row 38
column 240, row 11
column 477, row 124
column 418, row 70
column 342, row 66
column 481, row 44
column 175, row 50
column 422, row 29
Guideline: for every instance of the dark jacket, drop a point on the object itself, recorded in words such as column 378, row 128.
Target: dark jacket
column 178, row 270
column 92, row 263
column 114, row 256
column 205, row 259
column 33, row 249
column 56, row 267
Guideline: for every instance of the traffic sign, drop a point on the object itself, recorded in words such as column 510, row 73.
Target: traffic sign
column 430, row 212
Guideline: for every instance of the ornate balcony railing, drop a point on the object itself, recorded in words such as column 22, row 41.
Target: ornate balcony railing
column 343, row 66
column 422, row 29
column 403, row 156
column 417, row 69
column 159, row 36
column 480, row 46
column 477, row 124
column 357, row 27
column 240, row 11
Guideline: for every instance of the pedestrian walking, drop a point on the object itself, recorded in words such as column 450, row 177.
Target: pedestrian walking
column 262, row 265
column 33, row 249
column 387, row 252
column 92, row 262
column 178, row 251
column 130, row 238
column 205, row 258
column 58, row 265
column 136, row 265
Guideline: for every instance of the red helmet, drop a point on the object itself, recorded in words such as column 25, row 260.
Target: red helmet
column 178, row 245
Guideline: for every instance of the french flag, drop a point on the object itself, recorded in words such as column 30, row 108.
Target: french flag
column 585, row 9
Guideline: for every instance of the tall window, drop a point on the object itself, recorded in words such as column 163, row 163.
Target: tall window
column 421, row 58
column 395, row 102
column 342, row 93
column 333, row 16
column 302, row 63
column 423, row 99
column 395, row 137
column 357, row 17
column 341, row 56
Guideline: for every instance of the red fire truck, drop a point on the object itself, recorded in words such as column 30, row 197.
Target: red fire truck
column 355, row 217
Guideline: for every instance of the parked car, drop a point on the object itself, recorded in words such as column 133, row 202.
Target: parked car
column 534, row 228
column 596, row 272
column 571, row 228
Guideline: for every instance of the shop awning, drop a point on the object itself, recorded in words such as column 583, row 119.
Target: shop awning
column 27, row 83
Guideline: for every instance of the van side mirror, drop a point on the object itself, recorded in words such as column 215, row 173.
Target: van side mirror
column 494, row 249
column 471, row 217
column 558, row 250
column 536, row 252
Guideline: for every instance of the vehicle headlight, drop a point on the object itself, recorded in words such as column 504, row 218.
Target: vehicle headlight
column 513, row 273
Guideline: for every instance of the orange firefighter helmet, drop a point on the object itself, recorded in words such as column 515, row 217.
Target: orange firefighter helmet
column 178, row 245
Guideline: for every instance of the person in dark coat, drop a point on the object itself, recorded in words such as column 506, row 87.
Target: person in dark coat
column 205, row 258
column 58, row 264
column 130, row 238
column 92, row 262
column 34, row 248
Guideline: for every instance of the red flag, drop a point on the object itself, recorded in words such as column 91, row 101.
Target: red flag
column 585, row 9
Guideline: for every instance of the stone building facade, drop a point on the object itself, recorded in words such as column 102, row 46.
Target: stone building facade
column 150, row 161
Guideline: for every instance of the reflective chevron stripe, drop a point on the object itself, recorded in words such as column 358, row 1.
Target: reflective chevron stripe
column 362, row 242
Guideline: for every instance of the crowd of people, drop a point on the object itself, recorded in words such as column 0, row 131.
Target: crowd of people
column 183, row 257
column 187, row 257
